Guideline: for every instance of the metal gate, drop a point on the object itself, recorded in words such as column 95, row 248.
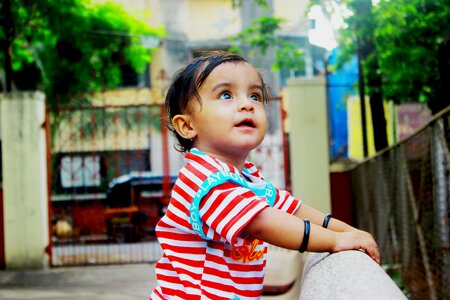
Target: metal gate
column 109, row 183
column 110, row 179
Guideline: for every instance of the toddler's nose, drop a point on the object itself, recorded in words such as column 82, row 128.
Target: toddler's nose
column 245, row 103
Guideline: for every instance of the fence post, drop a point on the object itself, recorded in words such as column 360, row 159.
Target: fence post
column 441, row 166
column 410, row 197
column 24, row 180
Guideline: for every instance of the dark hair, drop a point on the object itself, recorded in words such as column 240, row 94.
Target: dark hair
column 186, row 83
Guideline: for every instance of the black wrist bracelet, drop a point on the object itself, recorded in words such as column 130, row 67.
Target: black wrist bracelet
column 305, row 241
column 326, row 220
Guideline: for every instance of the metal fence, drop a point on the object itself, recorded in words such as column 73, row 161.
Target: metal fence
column 402, row 196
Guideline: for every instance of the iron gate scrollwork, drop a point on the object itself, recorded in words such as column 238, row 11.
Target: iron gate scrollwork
column 105, row 196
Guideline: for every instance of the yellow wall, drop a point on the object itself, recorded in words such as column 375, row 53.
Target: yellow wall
column 293, row 11
column 211, row 19
column 355, row 144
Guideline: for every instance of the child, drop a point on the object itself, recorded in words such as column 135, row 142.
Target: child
column 222, row 212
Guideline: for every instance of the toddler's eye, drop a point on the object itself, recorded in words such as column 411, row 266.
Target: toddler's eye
column 255, row 97
column 225, row 96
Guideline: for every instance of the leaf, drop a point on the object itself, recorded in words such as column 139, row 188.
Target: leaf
column 88, row 36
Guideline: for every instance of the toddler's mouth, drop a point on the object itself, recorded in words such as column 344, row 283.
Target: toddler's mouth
column 246, row 123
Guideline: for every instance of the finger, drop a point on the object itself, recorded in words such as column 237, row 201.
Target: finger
column 371, row 249
column 375, row 254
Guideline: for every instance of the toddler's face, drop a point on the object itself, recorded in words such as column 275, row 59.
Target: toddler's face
column 231, row 121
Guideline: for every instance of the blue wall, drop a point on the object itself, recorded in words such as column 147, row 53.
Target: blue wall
column 341, row 84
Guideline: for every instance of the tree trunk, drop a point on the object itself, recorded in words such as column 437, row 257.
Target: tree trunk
column 443, row 93
column 7, row 26
column 374, row 82
column 362, row 96
column 376, row 106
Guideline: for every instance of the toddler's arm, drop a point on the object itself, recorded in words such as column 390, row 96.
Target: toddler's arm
column 287, row 231
column 317, row 217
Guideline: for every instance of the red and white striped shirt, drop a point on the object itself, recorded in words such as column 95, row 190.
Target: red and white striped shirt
column 226, row 265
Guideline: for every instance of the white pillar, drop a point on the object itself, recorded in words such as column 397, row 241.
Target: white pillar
column 25, row 196
column 308, row 137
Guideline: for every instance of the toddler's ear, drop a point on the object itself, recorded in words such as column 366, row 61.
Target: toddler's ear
column 183, row 125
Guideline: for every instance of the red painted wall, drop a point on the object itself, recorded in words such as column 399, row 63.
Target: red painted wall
column 342, row 196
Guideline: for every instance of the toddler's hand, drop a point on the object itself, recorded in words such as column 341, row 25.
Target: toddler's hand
column 357, row 240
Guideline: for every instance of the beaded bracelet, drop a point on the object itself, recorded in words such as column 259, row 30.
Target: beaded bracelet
column 305, row 241
column 326, row 220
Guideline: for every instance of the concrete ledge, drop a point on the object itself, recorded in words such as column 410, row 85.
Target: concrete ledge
column 346, row 275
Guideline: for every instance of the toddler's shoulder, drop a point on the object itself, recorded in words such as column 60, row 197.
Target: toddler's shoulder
column 252, row 169
column 199, row 162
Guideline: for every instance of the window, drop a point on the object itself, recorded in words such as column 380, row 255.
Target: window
column 78, row 171
column 132, row 79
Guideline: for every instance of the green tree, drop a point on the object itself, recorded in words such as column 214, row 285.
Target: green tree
column 359, row 38
column 412, row 38
column 404, row 51
column 69, row 47
column 262, row 35
column 411, row 49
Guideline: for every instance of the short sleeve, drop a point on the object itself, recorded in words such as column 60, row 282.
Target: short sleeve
column 286, row 202
column 227, row 209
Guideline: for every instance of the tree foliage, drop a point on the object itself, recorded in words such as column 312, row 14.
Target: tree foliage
column 409, row 36
column 411, row 47
column 404, row 50
column 261, row 36
column 70, row 47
